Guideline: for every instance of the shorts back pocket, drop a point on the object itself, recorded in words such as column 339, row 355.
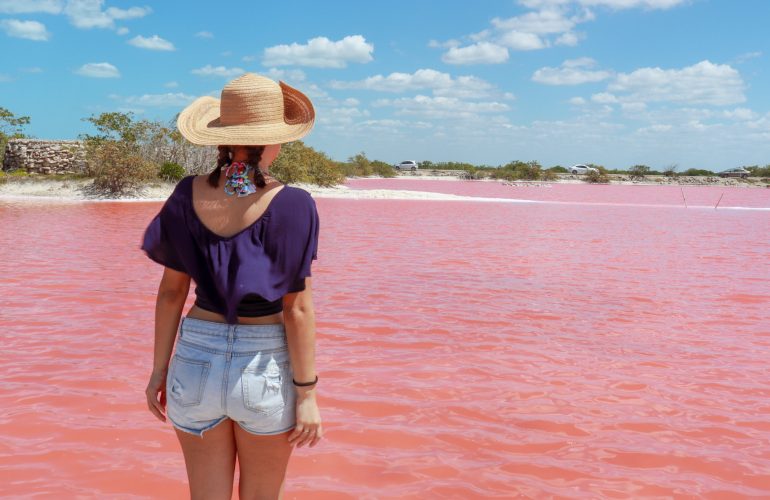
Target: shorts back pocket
column 187, row 379
column 264, row 389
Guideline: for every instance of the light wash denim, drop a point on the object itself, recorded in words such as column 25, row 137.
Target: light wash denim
column 241, row 372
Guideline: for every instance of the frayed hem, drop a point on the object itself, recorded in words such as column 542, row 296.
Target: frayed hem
column 274, row 433
column 196, row 432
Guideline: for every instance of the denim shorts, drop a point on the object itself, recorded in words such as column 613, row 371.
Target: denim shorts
column 241, row 372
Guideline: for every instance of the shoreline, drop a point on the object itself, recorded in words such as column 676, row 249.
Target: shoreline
column 47, row 190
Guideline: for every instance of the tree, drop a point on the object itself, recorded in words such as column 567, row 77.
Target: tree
column 11, row 127
column 300, row 163
column 361, row 164
column 116, row 126
column 638, row 171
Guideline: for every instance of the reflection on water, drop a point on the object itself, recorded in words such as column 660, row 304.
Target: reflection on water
column 466, row 350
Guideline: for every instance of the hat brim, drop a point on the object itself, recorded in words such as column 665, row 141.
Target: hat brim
column 200, row 123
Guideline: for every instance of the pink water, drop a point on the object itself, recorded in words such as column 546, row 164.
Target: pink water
column 466, row 350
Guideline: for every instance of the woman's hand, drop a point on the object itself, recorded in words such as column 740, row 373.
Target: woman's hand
column 308, row 430
column 157, row 385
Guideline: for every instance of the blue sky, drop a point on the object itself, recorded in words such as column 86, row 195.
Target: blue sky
column 612, row 82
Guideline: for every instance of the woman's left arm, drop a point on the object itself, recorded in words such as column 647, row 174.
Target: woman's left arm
column 172, row 294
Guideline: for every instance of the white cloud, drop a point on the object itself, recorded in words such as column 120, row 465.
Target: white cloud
column 32, row 69
column 478, row 53
column 342, row 116
column 442, row 84
column 701, row 83
column 440, row 107
column 99, row 70
column 657, row 128
column 171, row 85
column 152, row 43
column 320, row 52
column 549, row 23
column 30, row 6
column 569, row 39
column 204, row 34
column 287, row 75
column 633, row 107
column 222, row 71
column 578, row 101
column 520, row 40
column 740, row 114
column 435, row 44
column 130, row 13
column 747, row 57
column 604, row 98
column 543, row 22
column 571, row 72
column 122, row 31
column 29, row 30
column 170, row 99
column 613, row 4
column 88, row 14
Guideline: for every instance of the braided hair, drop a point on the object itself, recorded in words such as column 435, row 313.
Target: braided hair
column 225, row 159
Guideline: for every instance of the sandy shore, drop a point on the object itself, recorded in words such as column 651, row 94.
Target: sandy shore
column 78, row 190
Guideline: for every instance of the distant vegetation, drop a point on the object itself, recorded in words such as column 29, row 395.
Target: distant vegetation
column 11, row 127
column 126, row 152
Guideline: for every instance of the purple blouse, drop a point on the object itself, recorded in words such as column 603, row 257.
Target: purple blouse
column 270, row 258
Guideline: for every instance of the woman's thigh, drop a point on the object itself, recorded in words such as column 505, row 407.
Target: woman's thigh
column 262, row 461
column 210, row 461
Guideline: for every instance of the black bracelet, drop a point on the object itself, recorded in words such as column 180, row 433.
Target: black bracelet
column 306, row 384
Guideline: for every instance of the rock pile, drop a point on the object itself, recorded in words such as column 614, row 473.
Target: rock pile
column 45, row 157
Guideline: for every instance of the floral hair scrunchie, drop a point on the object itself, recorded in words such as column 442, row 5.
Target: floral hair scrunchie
column 237, row 174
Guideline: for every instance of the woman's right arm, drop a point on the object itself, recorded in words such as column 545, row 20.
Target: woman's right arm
column 172, row 294
column 299, row 320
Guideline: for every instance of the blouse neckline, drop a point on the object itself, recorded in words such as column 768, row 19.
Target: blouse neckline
column 245, row 229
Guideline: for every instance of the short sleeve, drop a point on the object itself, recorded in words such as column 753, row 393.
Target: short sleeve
column 307, row 241
column 158, row 243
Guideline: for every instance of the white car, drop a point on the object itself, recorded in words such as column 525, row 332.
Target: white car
column 582, row 169
column 406, row 165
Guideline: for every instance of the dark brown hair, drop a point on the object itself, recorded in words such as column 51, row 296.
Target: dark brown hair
column 225, row 159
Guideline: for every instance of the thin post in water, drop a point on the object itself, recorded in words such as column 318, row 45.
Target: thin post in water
column 685, row 199
column 720, row 199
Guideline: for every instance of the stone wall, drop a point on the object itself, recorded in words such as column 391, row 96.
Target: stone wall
column 45, row 157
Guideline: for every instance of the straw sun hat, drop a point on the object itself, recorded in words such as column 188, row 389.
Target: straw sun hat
column 253, row 110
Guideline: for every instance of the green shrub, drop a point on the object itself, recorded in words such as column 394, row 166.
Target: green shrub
column 558, row 169
column 171, row 171
column 347, row 169
column 757, row 171
column 670, row 171
column 638, row 171
column 517, row 170
column 117, row 167
column 382, row 169
column 696, row 172
column 598, row 176
column 361, row 164
column 549, row 175
column 300, row 163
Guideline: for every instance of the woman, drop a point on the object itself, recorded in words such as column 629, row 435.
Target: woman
column 242, row 380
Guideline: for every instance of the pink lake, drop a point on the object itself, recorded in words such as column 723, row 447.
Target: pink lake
column 608, row 343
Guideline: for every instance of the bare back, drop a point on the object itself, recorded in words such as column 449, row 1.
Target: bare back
column 227, row 215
